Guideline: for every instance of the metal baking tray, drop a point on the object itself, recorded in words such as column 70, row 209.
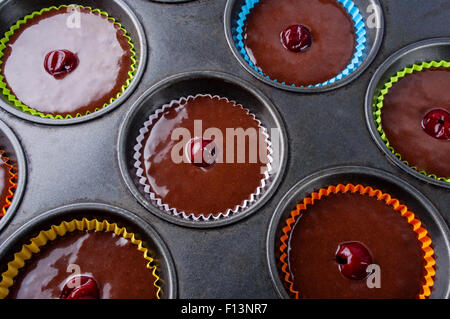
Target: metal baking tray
column 183, row 49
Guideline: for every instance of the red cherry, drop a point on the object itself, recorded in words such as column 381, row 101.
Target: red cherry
column 201, row 152
column 353, row 259
column 60, row 62
column 80, row 287
column 296, row 38
column 436, row 123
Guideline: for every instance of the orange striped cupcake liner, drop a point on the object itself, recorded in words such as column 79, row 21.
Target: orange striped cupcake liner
column 5, row 161
column 422, row 234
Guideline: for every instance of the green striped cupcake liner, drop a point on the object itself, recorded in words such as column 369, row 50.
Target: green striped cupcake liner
column 21, row 106
column 378, row 106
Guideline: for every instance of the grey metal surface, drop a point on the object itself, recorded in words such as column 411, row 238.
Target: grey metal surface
column 78, row 163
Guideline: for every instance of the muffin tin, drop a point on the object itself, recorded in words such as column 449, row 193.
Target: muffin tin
column 188, row 53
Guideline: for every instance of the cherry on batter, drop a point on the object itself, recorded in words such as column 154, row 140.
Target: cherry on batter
column 296, row 38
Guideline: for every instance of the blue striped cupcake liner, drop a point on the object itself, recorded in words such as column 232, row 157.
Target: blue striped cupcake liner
column 360, row 47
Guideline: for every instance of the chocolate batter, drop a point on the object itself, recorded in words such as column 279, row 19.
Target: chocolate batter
column 104, row 62
column 347, row 217
column 332, row 33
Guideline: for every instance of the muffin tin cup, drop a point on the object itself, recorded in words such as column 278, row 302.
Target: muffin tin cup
column 368, row 42
column 157, row 249
column 193, row 83
column 387, row 183
column 430, row 50
column 116, row 9
column 141, row 175
column 13, row 150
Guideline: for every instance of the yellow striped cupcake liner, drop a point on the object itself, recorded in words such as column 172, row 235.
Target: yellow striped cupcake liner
column 21, row 106
column 378, row 106
column 55, row 231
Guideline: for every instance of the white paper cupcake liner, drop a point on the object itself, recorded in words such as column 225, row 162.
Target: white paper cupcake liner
column 140, row 173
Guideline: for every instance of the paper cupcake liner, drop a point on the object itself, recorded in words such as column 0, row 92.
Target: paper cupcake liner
column 363, row 190
column 378, row 106
column 140, row 173
column 360, row 45
column 12, row 182
column 18, row 104
column 60, row 230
